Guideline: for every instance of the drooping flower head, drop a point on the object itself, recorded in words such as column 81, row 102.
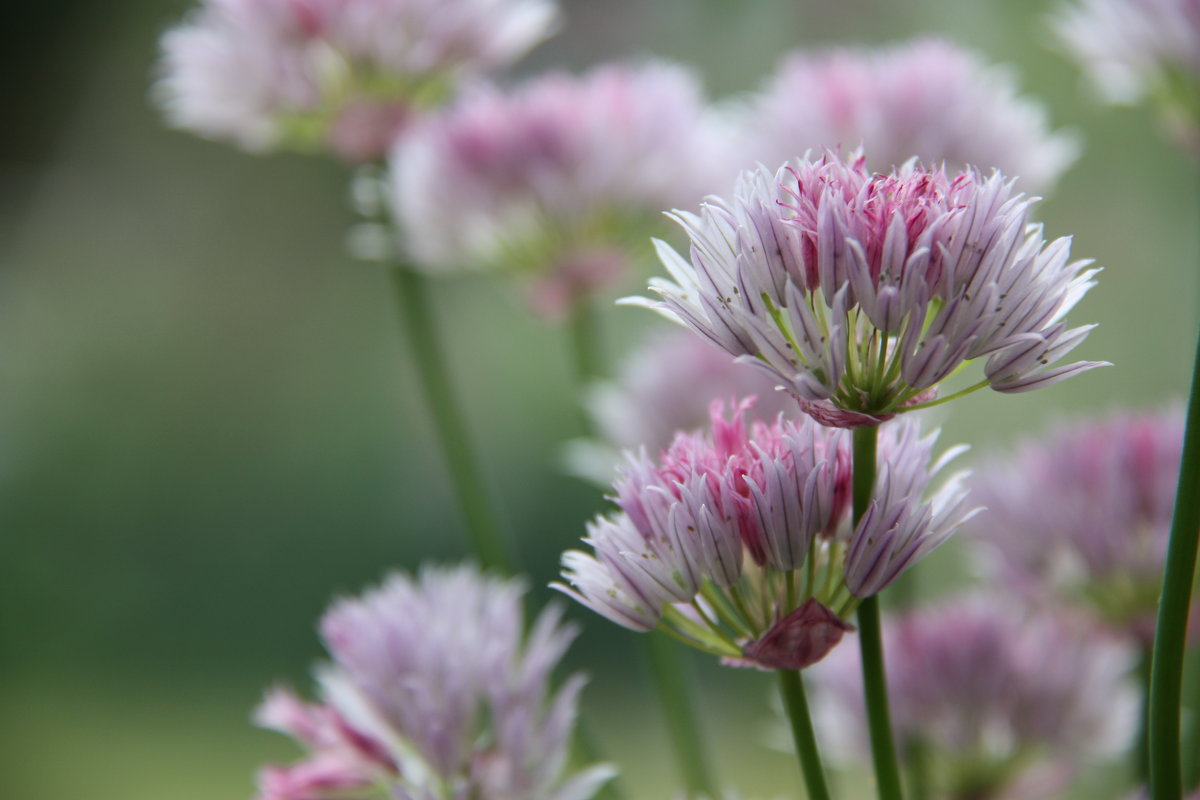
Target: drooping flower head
column 435, row 693
column 862, row 292
column 559, row 180
column 928, row 99
column 1134, row 49
column 344, row 75
column 1003, row 703
column 1083, row 513
column 739, row 540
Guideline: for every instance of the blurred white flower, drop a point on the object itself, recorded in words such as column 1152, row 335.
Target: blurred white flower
column 1003, row 702
column 435, row 693
column 1134, row 49
column 560, row 180
column 344, row 75
column 928, row 99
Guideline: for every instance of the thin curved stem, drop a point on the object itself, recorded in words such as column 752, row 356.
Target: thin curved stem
column 1166, row 671
column 670, row 681
column 1141, row 746
column 792, row 685
column 584, row 331
column 961, row 393
column 424, row 344
column 879, row 723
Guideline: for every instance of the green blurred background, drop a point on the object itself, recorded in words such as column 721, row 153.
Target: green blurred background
column 208, row 423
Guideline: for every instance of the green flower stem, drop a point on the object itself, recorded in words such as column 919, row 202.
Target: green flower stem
column 416, row 316
column 879, row 723
column 1141, row 746
column 1191, row 731
column 917, row 757
column 1166, row 672
column 585, row 342
column 792, row 685
column 671, row 684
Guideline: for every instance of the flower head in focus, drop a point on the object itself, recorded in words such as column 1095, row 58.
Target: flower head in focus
column 1083, row 514
column 739, row 540
column 344, row 75
column 560, row 181
column 862, row 292
column 1003, row 703
column 929, row 99
column 1134, row 49
column 435, row 693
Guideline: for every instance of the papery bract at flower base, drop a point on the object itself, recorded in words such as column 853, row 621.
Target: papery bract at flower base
column 862, row 292
column 1082, row 515
column 435, row 693
column 559, row 181
column 928, row 99
column 344, row 75
column 739, row 540
column 1005, row 703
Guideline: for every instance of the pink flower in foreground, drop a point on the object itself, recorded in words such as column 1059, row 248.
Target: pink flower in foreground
column 346, row 75
column 1004, row 704
column 1083, row 514
column 927, row 99
column 739, row 540
column 862, row 292
column 435, row 691
column 560, row 180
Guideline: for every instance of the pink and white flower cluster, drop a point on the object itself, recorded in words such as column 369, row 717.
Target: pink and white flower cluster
column 738, row 540
column 861, row 292
column 1138, row 49
column 435, row 693
column 1083, row 514
column 1130, row 47
column 1007, row 703
column 561, row 180
column 928, row 99
column 346, row 75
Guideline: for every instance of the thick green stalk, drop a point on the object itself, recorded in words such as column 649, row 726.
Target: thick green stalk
column 671, row 684
column 879, row 723
column 792, row 685
column 417, row 318
column 1166, row 672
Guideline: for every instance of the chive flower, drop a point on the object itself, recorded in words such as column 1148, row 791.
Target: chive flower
column 927, row 98
column 340, row 75
column 861, row 292
column 435, row 692
column 739, row 540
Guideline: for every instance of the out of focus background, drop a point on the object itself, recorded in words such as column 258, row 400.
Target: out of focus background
column 209, row 426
